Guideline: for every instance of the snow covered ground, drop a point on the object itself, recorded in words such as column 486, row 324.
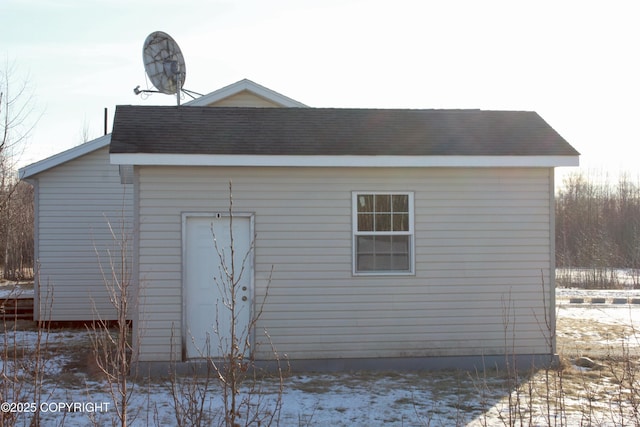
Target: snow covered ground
column 16, row 290
column 73, row 396
column 349, row 399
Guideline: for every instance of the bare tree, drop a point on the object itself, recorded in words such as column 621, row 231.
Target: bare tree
column 85, row 131
column 18, row 118
column 112, row 344
column 242, row 395
column 245, row 397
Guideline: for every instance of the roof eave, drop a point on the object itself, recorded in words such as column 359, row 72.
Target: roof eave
column 63, row 157
column 165, row 159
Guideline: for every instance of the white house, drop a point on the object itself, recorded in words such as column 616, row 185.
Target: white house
column 386, row 238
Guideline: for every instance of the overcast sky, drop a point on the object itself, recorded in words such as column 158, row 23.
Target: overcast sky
column 577, row 63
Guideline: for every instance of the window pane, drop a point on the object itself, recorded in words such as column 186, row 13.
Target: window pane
column 383, row 202
column 365, row 222
column 365, row 203
column 400, row 222
column 400, row 203
column 400, row 262
column 365, row 244
column 383, row 262
column 383, row 222
column 383, row 245
column 365, row 263
column 400, row 244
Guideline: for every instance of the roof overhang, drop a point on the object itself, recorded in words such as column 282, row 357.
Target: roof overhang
column 145, row 159
column 63, row 157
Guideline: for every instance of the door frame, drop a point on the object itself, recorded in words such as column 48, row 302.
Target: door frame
column 250, row 260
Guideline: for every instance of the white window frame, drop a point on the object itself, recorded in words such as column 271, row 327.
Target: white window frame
column 355, row 233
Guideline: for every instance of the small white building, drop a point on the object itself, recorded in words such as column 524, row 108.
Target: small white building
column 386, row 238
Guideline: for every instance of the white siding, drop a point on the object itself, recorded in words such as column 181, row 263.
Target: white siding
column 482, row 243
column 76, row 202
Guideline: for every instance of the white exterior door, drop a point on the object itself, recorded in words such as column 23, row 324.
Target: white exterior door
column 209, row 270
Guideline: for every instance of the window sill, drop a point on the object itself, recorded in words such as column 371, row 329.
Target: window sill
column 383, row 273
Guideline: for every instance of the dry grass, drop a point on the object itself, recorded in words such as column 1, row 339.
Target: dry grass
column 605, row 394
column 579, row 337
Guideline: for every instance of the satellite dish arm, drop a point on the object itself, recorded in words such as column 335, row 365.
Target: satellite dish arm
column 138, row 91
column 191, row 93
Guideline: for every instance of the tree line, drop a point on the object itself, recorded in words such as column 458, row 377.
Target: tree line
column 598, row 222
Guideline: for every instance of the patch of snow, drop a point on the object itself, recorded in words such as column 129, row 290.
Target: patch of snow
column 624, row 314
column 566, row 293
column 15, row 290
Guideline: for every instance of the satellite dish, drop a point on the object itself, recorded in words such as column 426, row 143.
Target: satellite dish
column 164, row 63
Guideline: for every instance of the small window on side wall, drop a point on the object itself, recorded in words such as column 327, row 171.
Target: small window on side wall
column 383, row 233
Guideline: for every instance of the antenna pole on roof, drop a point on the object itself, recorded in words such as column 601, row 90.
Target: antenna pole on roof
column 105, row 120
column 178, row 88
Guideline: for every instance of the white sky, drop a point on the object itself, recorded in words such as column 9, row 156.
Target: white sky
column 577, row 63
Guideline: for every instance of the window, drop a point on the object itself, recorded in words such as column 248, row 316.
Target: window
column 383, row 233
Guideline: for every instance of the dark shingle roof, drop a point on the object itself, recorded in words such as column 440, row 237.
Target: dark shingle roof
column 328, row 131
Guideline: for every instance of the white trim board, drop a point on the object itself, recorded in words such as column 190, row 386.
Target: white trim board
column 63, row 157
column 167, row 159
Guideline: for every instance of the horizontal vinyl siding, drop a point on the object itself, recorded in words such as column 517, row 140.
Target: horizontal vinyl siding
column 482, row 241
column 77, row 202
